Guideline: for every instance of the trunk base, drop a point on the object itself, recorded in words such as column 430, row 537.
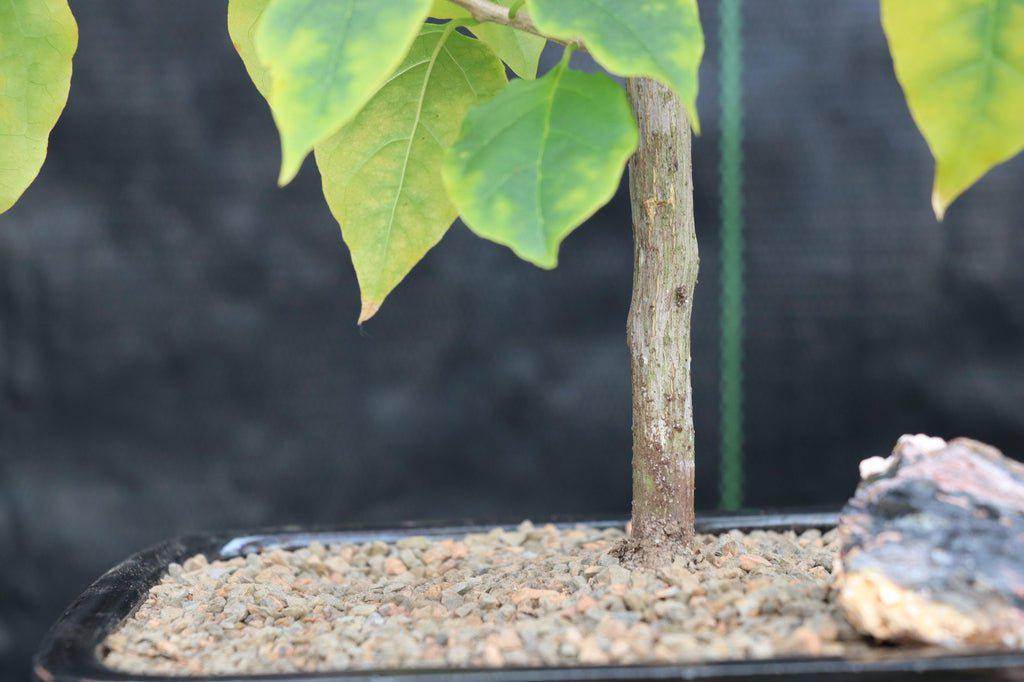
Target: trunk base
column 653, row 550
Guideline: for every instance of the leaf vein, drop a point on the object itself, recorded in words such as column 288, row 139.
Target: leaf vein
column 461, row 70
column 545, row 134
column 416, row 122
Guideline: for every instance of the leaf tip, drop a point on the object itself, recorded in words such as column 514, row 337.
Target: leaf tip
column 368, row 310
column 547, row 261
column 939, row 205
column 293, row 154
column 288, row 173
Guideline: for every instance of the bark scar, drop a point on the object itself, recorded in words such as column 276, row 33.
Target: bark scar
column 680, row 297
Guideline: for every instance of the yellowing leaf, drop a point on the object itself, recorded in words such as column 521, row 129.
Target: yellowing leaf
column 661, row 39
column 326, row 59
column 38, row 38
column 520, row 50
column 961, row 66
column 243, row 17
column 534, row 162
column 382, row 172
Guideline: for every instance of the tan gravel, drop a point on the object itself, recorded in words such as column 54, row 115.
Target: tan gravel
column 528, row 596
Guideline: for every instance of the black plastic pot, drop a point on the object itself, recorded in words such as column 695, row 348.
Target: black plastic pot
column 69, row 651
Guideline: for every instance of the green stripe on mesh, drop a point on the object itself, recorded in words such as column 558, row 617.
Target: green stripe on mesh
column 731, row 204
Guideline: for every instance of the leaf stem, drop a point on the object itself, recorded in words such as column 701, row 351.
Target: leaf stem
column 563, row 63
column 487, row 10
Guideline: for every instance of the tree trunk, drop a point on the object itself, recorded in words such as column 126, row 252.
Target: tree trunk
column 664, row 277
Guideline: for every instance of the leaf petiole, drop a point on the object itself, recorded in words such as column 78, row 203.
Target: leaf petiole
column 563, row 63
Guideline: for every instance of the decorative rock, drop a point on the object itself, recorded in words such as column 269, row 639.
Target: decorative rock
column 932, row 546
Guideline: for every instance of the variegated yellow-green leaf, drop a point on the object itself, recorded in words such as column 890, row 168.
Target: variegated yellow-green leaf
column 326, row 59
column 539, row 158
column 38, row 38
column 961, row 65
column 243, row 17
column 382, row 172
column 661, row 39
column 520, row 50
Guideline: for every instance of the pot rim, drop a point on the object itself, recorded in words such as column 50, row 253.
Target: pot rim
column 68, row 651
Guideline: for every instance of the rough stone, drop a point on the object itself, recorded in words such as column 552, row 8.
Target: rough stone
column 932, row 546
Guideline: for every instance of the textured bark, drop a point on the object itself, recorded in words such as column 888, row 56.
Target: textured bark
column 664, row 277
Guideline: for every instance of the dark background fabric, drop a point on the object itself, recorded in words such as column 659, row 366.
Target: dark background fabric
column 178, row 348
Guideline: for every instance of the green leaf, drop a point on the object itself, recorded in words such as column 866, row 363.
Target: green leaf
column 660, row 39
column 38, row 38
column 326, row 60
column 442, row 9
column 538, row 159
column 520, row 50
column 961, row 65
column 243, row 17
column 382, row 172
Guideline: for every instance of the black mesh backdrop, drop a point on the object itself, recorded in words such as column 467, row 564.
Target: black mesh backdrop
column 178, row 348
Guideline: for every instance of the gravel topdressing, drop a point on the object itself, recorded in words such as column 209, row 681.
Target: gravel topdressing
column 530, row 596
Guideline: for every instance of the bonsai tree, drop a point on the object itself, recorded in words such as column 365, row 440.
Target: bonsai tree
column 413, row 124
column 408, row 110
